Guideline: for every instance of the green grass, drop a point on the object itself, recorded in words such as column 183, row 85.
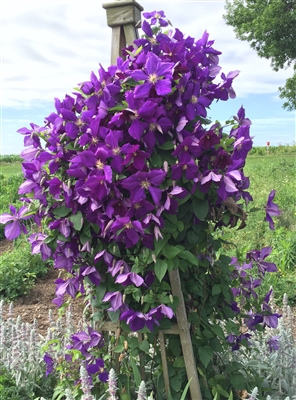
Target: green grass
column 266, row 173
column 9, row 169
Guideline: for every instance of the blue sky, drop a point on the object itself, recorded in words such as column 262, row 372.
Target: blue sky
column 48, row 47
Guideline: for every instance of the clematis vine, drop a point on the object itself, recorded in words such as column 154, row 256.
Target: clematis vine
column 128, row 180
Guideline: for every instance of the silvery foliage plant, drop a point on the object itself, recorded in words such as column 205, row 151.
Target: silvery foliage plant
column 21, row 345
column 20, row 349
column 273, row 356
column 254, row 396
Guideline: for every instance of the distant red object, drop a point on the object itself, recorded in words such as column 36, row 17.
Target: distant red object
column 268, row 143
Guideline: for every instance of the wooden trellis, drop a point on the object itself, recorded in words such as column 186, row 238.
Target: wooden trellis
column 123, row 16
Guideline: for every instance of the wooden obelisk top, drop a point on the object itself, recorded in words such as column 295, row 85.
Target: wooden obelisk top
column 122, row 17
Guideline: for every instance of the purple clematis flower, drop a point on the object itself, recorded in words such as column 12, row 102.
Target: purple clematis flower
column 115, row 299
column 137, row 320
column 157, row 75
column 156, row 16
column 273, row 343
column 240, row 269
column 272, row 210
column 47, row 358
column 92, row 274
column 127, row 231
column 258, row 256
column 84, row 341
column 161, row 311
column 14, row 229
column 131, row 278
column 141, row 181
column 38, row 245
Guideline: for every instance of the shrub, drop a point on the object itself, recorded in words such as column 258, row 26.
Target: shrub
column 10, row 158
column 19, row 269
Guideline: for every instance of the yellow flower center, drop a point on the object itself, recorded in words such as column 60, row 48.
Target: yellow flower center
column 145, row 184
column 153, row 78
column 99, row 164
column 194, row 99
column 152, row 127
column 152, row 41
column 134, row 116
column 116, row 151
column 79, row 122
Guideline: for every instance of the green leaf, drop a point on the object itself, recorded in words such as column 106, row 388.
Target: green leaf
column 171, row 217
column 77, row 220
column 100, row 292
column 237, row 380
column 187, row 255
column 170, row 251
column 61, row 212
column 200, row 208
column 180, row 226
column 119, row 107
column 159, row 244
column 216, row 289
column 119, row 348
column 218, row 331
column 179, row 362
column 183, row 397
column 205, row 354
column 113, row 315
column 144, row 346
column 98, row 316
column 136, row 372
column 167, row 146
column 176, row 383
column 160, row 269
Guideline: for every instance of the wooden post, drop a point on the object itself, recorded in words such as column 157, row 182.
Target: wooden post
column 122, row 16
column 185, row 337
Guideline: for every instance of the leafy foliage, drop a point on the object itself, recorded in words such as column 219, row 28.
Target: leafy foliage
column 269, row 27
column 19, row 270
column 12, row 158
column 9, row 194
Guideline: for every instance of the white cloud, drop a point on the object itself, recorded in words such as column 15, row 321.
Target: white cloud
column 50, row 46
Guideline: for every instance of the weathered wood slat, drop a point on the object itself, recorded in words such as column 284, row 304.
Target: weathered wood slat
column 164, row 362
column 185, row 337
column 118, row 15
column 109, row 326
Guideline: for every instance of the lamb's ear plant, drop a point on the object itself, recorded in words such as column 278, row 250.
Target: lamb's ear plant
column 273, row 357
column 20, row 355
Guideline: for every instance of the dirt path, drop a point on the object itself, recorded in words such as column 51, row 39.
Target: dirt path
column 38, row 302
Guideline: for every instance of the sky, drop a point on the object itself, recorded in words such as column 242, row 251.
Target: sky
column 48, row 47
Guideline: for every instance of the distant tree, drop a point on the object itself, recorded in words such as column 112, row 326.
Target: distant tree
column 270, row 28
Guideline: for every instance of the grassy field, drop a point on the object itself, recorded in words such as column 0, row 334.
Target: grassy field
column 266, row 173
column 9, row 169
